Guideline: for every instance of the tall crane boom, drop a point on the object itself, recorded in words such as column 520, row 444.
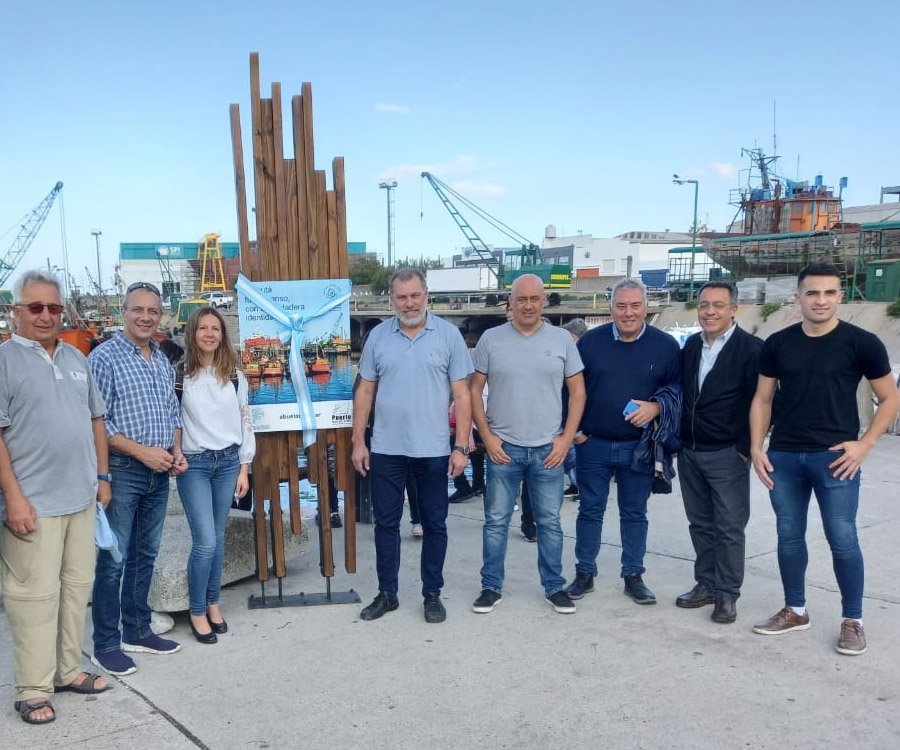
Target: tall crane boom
column 481, row 250
column 26, row 235
column 529, row 259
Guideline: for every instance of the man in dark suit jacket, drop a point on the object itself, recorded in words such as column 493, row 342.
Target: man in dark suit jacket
column 719, row 374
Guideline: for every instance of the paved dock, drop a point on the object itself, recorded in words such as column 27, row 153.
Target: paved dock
column 614, row 675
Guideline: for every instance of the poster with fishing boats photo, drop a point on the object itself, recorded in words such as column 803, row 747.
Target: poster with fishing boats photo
column 295, row 353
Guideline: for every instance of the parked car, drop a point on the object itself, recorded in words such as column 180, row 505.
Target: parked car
column 218, row 299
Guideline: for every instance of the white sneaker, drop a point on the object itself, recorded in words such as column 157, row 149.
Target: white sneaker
column 417, row 529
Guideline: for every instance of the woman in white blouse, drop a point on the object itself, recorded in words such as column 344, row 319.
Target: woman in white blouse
column 218, row 443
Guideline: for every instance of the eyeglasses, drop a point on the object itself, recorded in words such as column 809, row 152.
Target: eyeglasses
column 143, row 285
column 36, row 308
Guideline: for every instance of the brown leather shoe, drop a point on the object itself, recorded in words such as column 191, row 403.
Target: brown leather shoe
column 784, row 622
column 853, row 638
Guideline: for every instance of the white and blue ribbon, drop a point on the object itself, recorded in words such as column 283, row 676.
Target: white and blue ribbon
column 291, row 330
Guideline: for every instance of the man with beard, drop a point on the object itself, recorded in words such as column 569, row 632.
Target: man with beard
column 417, row 362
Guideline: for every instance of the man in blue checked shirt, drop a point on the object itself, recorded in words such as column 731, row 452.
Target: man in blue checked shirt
column 143, row 425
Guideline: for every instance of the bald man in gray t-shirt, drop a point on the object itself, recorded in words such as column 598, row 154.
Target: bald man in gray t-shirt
column 525, row 363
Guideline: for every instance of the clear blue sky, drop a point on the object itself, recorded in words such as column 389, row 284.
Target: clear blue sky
column 574, row 114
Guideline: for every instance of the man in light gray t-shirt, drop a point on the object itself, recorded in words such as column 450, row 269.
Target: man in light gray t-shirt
column 418, row 363
column 53, row 470
column 525, row 364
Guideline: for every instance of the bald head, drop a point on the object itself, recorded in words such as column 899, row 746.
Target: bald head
column 528, row 299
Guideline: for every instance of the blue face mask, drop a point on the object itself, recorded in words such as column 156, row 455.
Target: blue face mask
column 104, row 537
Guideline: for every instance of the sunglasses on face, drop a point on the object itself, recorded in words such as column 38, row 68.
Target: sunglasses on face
column 36, row 308
column 143, row 285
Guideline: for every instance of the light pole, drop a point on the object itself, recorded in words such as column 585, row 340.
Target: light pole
column 97, row 233
column 389, row 184
column 678, row 181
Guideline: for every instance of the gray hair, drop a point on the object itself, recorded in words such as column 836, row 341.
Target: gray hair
column 35, row 276
column 628, row 283
column 577, row 327
column 407, row 274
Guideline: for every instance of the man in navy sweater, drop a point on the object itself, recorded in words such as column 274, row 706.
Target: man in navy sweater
column 625, row 363
column 720, row 367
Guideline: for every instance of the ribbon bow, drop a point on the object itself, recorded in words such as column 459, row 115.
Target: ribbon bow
column 291, row 330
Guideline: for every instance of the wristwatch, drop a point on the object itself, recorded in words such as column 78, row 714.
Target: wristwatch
column 464, row 449
column 104, row 477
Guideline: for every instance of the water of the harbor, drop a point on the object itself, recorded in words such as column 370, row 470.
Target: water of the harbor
column 335, row 386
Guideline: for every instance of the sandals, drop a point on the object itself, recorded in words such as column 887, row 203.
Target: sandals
column 88, row 686
column 26, row 710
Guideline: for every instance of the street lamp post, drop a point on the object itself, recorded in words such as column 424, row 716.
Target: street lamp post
column 389, row 184
column 97, row 233
column 678, row 181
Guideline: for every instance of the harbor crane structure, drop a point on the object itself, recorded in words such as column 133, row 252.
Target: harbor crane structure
column 527, row 259
column 30, row 226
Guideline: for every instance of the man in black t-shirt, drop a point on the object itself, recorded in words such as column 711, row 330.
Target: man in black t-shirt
column 815, row 444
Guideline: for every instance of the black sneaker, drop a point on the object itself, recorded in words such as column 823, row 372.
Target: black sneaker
column 635, row 588
column 486, row 601
column 570, row 492
column 434, row 608
column 380, row 606
column 529, row 531
column 336, row 521
column 583, row 584
column 561, row 602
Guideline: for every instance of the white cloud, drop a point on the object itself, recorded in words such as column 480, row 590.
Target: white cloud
column 402, row 172
column 472, row 189
column 725, row 171
column 400, row 109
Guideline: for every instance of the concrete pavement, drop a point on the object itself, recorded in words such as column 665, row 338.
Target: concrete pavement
column 614, row 675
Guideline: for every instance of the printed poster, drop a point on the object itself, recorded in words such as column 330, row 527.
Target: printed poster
column 297, row 360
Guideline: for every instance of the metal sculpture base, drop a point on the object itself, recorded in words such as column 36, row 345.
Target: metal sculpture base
column 301, row 599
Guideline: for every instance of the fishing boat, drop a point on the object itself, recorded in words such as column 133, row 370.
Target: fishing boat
column 318, row 364
column 782, row 225
column 252, row 370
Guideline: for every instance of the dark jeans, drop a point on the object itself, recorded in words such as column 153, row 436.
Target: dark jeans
column 412, row 495
column 715, row 487
column 136, row 515
column 596, row 461
column 388, row 476
column 796, row 477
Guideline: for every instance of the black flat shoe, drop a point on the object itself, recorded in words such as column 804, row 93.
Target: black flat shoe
column 217, row 627
column 203, row 637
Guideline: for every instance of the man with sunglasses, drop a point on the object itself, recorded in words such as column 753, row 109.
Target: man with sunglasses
column 51, row 427
column 143, row 426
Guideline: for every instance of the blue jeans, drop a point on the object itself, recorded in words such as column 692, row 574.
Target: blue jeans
column 206, row 490
column 388, row 479
column 545, row 487
column 796, row 476
column 597, row 460
column 136, row 515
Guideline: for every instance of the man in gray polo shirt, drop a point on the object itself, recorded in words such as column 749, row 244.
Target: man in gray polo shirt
column 53, row 470
column 417, row 361
column 525, row 363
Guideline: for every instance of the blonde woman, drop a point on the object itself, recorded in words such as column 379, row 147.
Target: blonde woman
column 218, row 443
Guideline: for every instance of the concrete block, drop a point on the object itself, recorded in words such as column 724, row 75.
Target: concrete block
column 168, row 589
